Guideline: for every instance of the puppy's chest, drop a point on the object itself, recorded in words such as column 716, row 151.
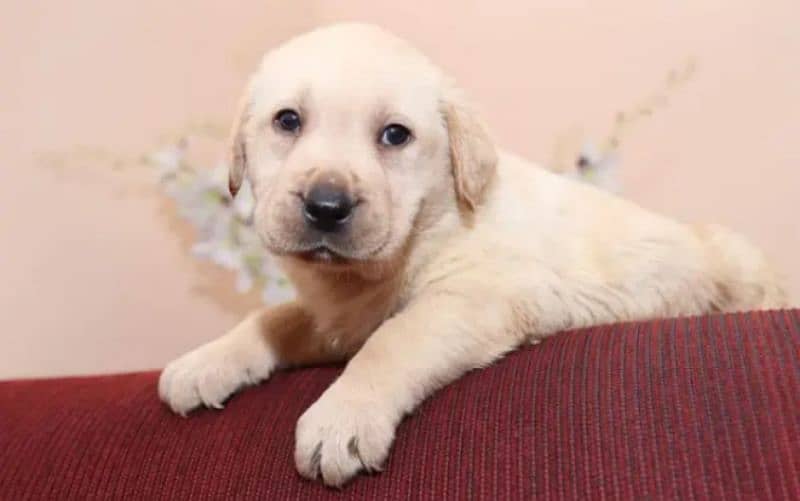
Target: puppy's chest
column 348, row 322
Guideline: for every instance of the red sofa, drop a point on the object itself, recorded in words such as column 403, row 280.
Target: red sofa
column 691, row 408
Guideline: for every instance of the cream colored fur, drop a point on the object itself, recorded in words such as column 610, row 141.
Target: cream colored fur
column 459, row 254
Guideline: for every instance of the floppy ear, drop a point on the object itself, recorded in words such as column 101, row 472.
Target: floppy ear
column 472, row 153
column 238, row 148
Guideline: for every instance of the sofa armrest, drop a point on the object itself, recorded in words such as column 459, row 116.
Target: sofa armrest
column 702, row 407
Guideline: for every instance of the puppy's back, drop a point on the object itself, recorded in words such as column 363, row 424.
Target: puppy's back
column 743, row 276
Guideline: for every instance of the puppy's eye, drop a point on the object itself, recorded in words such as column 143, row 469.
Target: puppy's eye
column 288, row 120
column 395, row 135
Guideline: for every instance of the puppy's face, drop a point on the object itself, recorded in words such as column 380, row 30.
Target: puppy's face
column 345, row 135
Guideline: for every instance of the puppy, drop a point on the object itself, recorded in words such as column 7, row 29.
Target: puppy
column 419, row 251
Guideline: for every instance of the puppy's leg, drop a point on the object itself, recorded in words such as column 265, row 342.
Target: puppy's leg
column 265, row 340
column 433, row 341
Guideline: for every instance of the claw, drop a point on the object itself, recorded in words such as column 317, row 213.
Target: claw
column 316, row 458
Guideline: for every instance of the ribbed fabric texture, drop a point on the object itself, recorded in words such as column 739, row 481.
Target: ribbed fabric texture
column 705, row 408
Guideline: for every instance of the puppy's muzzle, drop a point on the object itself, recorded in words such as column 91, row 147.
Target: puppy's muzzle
column 328, row 207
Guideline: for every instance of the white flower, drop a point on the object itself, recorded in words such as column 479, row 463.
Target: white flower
column 277, row 291
column 217, row 179
column 598, row 168
column 225, row 235
column 169, row 159
column 244, row 203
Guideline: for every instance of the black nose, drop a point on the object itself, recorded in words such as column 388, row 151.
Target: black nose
column 327, row 207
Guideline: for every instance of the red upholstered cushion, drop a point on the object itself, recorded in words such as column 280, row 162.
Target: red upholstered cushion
column 699, row 408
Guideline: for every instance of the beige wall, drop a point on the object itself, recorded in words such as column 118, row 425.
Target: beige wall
column 94, row 269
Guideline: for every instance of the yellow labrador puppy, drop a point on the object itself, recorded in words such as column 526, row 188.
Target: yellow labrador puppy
column 419, row 251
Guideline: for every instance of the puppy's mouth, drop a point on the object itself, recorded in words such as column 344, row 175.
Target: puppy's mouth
column 323, row 255
column 325, row 251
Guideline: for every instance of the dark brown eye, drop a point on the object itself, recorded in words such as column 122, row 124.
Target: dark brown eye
column 288, row 120
column 395, row 135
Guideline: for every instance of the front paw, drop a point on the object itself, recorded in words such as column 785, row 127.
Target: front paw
column 211, row 373
column 341, row 435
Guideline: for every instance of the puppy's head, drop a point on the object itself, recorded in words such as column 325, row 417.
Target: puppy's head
column 348, row 137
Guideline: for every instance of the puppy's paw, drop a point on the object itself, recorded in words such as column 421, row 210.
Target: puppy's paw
column 340, row 436
column 211, row 373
